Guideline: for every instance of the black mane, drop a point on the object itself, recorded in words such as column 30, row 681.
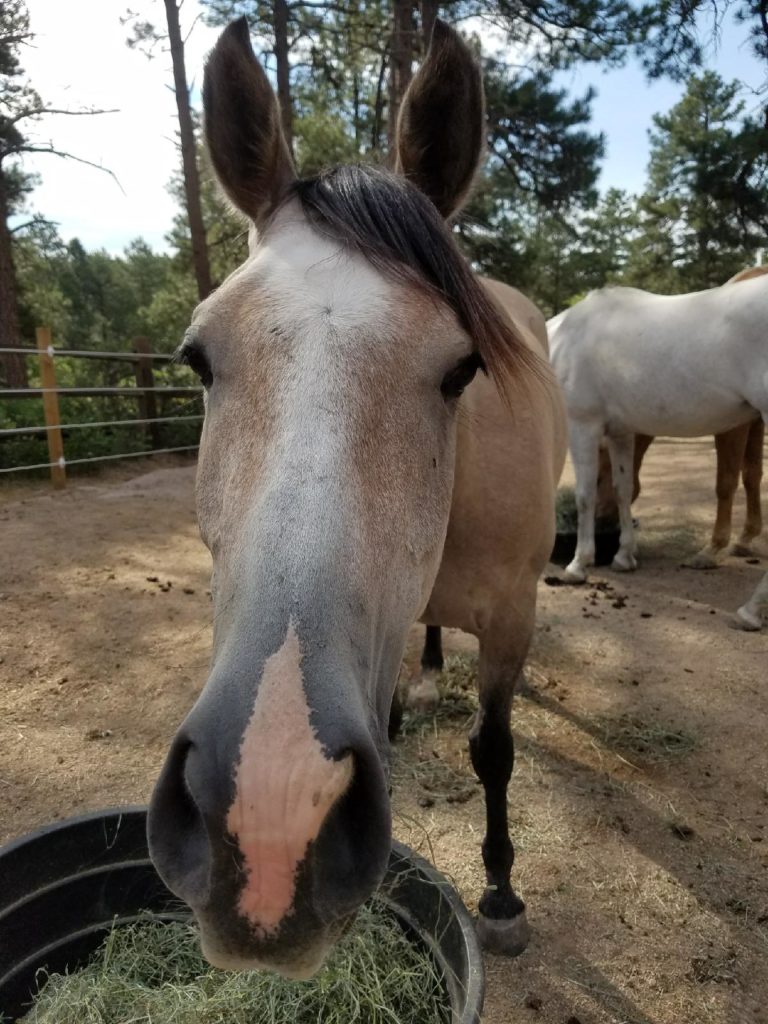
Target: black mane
column 396, row 228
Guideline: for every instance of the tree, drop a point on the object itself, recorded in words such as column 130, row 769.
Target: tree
column 227, row 233
column 360, row 47
column 605, row 240
column 705, row 207
column 325, row 55
column 522, row 222
column 15, row 97
column 20, row 108
column 560, row 33
column 146, row 37
column 402, row 47
column 681, row 31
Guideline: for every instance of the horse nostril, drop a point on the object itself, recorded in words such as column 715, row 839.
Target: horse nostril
column 178, row 838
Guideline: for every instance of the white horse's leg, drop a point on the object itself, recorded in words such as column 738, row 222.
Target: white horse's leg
column 584, row 441
column 622, row 452
column 749, row 616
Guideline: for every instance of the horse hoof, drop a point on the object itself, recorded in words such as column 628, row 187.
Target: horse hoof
column 742, row 550
column 423, row 696
column 506, row 936
column 702, row 560
column 744, row 619
column 624, row 563
column 575, row 573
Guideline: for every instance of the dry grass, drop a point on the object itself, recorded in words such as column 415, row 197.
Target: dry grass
column 458, row 699
column 632, row 735
column 154, row 973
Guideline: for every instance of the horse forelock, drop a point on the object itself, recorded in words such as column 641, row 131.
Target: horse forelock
column 391, row 224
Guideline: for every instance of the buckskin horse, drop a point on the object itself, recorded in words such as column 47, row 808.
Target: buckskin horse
column 346, row 487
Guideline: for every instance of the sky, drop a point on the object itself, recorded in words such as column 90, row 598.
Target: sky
column 79, row 59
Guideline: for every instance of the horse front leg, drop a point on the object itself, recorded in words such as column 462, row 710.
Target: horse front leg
column 750, row 615
column 730, row 445
column 751, row 476
column 621, row 448
column 502, row 925
column 584, row 443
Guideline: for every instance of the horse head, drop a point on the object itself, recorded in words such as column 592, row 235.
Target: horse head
column 333, row 360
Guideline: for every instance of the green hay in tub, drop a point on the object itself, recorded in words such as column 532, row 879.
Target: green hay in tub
column 153, row 973
column 567, row 518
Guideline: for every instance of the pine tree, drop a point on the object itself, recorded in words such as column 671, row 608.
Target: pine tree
column 706, row 202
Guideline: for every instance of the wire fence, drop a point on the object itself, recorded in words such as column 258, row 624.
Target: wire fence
column 145, row 391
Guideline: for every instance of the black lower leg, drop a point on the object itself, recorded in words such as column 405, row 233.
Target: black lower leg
column 395, row 715
column 492, row 751
column 432, row 655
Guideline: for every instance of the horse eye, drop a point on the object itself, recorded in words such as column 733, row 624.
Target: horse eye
column 194, row 357
column 460, row 376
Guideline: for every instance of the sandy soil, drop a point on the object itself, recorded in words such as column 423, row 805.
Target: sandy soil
column 640, row 797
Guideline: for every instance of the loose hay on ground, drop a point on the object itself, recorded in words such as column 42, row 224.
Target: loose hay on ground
column 630, row 734
column 458, row 698
column 153, row 973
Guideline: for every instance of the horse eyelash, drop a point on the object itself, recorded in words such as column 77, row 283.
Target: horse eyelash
column 192, row 355
column 461, row 376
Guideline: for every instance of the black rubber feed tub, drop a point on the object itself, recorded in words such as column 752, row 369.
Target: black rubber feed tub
column 606, row 546
column 62, row 887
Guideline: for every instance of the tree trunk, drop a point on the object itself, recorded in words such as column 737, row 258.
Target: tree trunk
column 401, row 62
column 378, row 106
column 283, row 70
column 188, row 154
column 14, row 365
column 429, row 12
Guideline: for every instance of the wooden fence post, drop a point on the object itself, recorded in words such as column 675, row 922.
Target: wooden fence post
column 51, row 408
column 145, row 378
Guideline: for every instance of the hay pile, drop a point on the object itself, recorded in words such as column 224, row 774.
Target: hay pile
column 154, row 973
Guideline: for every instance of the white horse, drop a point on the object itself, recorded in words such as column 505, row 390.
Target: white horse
column 750, row 615
column 630, row 362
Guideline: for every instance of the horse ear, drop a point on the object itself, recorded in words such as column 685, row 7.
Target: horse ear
column 441, row 128
column 242, row 125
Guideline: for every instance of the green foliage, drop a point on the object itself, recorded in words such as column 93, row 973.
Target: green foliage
column 99, row 302
column 561, row 33
column 535, row 219
column 337, row 54
column 680, row 33
column 705, row 208
column 542, row 169
column 227, row 238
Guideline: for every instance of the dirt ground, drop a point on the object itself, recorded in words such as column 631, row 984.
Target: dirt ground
column 640, row 796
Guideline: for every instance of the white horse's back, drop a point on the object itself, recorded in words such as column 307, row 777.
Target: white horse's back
column 676, row 365
column 630, row 362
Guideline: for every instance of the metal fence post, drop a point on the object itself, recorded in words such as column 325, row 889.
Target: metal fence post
column 51, row 408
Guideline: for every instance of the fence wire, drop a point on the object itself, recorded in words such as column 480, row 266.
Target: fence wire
column 62, row 463
column 138, row 390
column 13, row 431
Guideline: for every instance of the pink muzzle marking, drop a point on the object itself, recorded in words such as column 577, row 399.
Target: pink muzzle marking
column 284, row 787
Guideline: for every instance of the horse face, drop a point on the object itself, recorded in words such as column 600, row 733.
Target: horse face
column 323, row 491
